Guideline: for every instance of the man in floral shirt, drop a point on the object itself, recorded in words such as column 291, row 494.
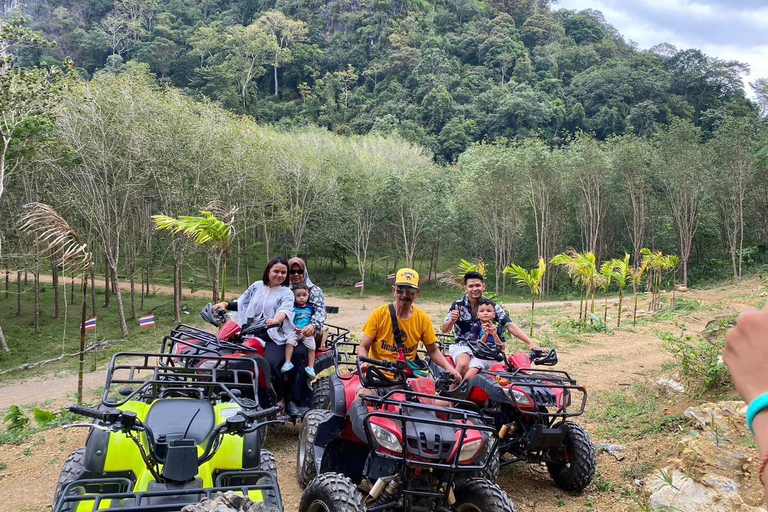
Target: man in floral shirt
column 463, row 314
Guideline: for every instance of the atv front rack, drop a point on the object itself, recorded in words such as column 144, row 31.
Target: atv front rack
column 175, row 376
column 530, row 380
column 123, row 500
column 462, row 416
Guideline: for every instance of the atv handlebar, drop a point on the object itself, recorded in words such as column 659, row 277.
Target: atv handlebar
column 376, row 362
column 105, row 416
column 541, row 358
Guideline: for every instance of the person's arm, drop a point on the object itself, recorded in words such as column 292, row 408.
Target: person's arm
column 229, row 306
column 518, row 333
column 437, row 357
column 496, row 337
column 450, row 319
column 317, row 300
column 746, row 356
column 283, row 310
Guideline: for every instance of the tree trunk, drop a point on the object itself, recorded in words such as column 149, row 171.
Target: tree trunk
column 177, row 291
column 133, row 296
column 143, row 272
column 239, row 253
column 275, row 80
column 37, row 288
column 621, row 301
column 93, row 291
column 81, row 356
column 216, row 267
column 7, row 283
column 634, row 315
column 18, row 293
column 119, row 297
column 533, row 308
column 106, row 282
column 3, row 343
column 55, row 275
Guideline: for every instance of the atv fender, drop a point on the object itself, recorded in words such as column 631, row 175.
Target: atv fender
column 96, row 450
column 329, row 428
column 324, row 361
column 496, row 392
column 338, row 396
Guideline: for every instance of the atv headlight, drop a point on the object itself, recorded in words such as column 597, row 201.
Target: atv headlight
column 386, row 439
column 470, row 450
column 519, row 397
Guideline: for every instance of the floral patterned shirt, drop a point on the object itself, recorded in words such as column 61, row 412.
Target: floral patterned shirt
column 463, row 325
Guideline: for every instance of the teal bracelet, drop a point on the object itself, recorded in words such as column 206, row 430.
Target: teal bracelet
column 757, row 405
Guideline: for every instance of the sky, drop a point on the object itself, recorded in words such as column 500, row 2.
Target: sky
column 727, row 29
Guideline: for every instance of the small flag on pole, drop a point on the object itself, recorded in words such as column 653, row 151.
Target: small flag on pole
column 147, row 321
column 391, row 276
column 90, row 324
column 360, row 284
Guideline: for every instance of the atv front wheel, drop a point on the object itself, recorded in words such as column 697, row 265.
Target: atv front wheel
column 331, row 492
column 305, row 455
column 73, row 469
column 321, row 394
column 269, row 464
column 480, row 495
column 577, row 454
column 491, row 473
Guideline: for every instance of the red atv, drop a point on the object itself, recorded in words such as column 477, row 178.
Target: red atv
column 530, row 408
column 406, row 450
column 234, row 342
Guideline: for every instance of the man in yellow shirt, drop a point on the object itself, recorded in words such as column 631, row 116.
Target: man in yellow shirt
column 414, row 324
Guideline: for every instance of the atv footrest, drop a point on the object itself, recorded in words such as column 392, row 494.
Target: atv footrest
column 542, row 438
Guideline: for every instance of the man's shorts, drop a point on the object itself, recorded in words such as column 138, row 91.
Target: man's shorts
column 379, row 392
column 481, row 364
column 456, row 350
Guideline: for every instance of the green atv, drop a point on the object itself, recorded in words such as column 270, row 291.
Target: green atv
column 166, row 436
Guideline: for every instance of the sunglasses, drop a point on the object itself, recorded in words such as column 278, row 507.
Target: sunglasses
column 411, row 292
column 297, row 272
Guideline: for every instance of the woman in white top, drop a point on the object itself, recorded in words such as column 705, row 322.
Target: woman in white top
column 270, row 298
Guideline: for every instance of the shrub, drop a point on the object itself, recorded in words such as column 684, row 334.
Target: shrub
column 699, row 359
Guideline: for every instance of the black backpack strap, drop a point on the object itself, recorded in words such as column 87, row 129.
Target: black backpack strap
column 398, row 334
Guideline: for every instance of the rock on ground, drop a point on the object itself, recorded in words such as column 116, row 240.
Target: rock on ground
column 228, row 502
column 712, row 493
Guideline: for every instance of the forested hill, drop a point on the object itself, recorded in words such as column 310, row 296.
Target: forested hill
column 443, row 73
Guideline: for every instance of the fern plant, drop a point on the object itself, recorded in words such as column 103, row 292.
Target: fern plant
column 531, row 279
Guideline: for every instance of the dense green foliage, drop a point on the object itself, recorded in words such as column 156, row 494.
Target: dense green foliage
column 440, row 73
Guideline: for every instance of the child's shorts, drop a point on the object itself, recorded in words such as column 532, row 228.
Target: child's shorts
column 481, row 364
column 308, row 341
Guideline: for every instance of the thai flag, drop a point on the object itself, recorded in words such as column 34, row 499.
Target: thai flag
column 90, row 325
column 360, row 284
column 391, row 276
column 147, row 321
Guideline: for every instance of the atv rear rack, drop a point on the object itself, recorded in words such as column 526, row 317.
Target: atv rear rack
column 455, row 418
column 173, row 376
column 94, row 491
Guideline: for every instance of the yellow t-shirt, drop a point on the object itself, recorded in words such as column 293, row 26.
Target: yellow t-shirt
column 379, row 327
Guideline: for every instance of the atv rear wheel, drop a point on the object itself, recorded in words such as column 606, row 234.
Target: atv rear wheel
column 73, row 469
column 305, row 455
column 480, row 495
column 331, row 492
column 321, row 394
column 576, row 471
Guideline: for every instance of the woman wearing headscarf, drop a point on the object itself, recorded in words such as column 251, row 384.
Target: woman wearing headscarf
column 297, row 268
column 269, row 298
column 300, row 275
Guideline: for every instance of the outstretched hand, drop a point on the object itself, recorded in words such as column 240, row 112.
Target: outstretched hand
column 746, row 353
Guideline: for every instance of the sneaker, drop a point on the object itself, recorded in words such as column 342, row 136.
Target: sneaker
column 286, row 367
column 292, row 409
column 310, row 371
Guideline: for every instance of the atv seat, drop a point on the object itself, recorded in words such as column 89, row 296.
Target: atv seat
column 173, row 417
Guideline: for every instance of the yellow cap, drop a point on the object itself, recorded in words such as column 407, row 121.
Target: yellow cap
column 407, row 277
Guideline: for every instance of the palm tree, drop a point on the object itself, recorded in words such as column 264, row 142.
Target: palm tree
column 654, row 263
column 670, row 264
column 205, row 230
column 606, row 275
column 637, row 279
column 456, row 279
column 622, row 272
column 532, row 280
column 62, row 240
column 581, row 269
